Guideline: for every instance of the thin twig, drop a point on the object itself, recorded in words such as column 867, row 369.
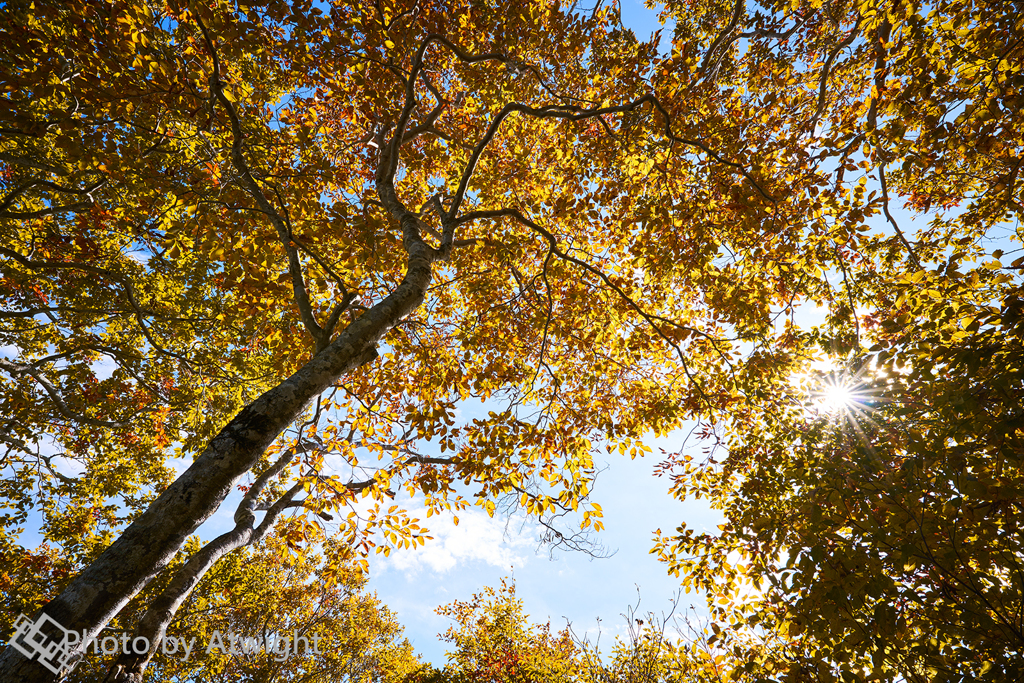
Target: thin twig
column 892, row 221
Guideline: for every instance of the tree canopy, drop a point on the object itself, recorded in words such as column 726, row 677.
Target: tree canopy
column 881, row 534
column 326, row 251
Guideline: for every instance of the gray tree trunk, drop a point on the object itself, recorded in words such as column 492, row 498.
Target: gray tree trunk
column 103, row 588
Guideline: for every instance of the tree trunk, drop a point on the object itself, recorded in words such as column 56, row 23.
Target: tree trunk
column 103, row 588
column 130, row 666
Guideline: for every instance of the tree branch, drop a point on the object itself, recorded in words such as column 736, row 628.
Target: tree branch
column 651, row 320
column 62, row 407
column 575, row 113
column 892, row 221
column 737, row 12
column 390, row 161
column 279, row 222
column 53, row 210
column 129, row 667
column 13, row 195
column 124, row 280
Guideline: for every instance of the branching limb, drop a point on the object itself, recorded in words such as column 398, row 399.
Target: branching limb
column 47, row 463
column 880, row 71
column 301, row 291
column 13, row 195
column 710, row 68
column 114, row 353
column 575, row 113
column 428, row 460
column 552, row 535
column 32, row 163
column 427, row 125
column 389, row 162
column 758, row 32
column 411, row 224
column 651, row 320
column 126, row 282
column 892, row 221
column 250, row 184
column 847, row 285
column 547, row 318
column 129, row 667
column 54, row 393
column 577, row 541
column 33, row 312
column 347, row 297
column 49, row 211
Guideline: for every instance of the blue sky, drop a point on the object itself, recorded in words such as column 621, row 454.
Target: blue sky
column 570, row 587
column 462, row 560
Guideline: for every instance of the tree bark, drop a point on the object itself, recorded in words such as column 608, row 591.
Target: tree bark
column 103, row 588
column 130, row 667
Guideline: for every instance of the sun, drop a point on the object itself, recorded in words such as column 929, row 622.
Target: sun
column 836, row 395
column 832, row 391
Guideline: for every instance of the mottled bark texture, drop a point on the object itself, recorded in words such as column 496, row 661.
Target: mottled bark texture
column 130, row 667
column 146, row 547
column 97, row 594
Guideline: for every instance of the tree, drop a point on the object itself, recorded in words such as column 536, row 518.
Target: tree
column 402, row 207
column 494, row 643
column 881, row 538
column 886, row 537
column 241, row 623
column 405, row 206
column 357, row 638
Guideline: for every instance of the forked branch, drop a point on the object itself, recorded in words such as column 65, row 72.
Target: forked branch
column 125, row 281
column 129, row 667
column 321, row 336
column 654, row 321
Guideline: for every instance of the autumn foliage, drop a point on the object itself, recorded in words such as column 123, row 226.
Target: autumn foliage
column 317, row 254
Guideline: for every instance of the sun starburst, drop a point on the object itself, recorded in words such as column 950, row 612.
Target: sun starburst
column 834, row 392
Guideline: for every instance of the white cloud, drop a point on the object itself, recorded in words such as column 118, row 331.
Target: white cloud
column 477, row 538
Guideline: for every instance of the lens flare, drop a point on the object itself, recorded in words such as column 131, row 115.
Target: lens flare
column 834, row 392
column 835, row 396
